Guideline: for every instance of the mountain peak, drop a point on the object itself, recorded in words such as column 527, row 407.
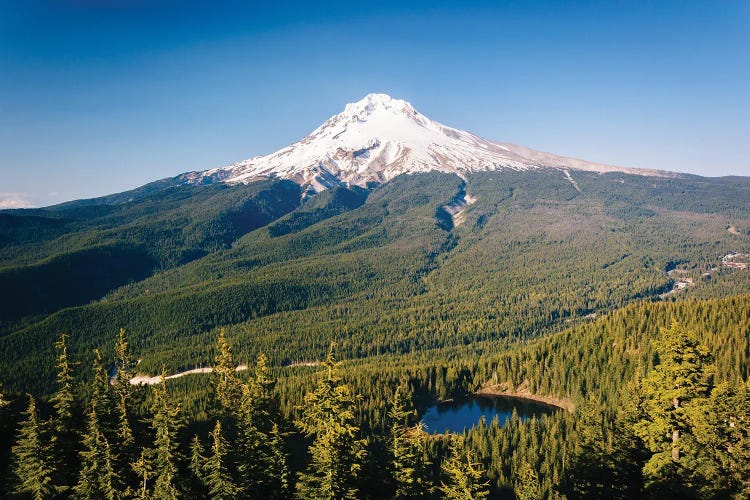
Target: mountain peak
column 377, row 102
column 378, row 138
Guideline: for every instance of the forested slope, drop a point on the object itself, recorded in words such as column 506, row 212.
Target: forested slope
column 378, row 272
column 69, row 255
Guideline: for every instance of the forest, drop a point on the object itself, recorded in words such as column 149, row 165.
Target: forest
column 355, row 310
column 672, row 419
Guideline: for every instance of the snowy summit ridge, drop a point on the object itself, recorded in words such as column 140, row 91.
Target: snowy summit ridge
column 378, row 138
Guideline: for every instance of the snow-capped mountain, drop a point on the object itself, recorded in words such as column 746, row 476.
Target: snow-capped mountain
column 379, row 138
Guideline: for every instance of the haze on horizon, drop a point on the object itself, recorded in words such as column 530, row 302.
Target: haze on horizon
column 101, row 97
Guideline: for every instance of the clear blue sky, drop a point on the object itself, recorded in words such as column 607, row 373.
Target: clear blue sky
column 100, row 96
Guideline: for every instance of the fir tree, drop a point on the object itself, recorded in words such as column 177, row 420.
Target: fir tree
column 607, row 460
column 122, row 438
column 64, row 434
column 142, row 467
column 62, row 400
column 277, row 468
column 227, row 386
column 249, row 441
column 102, row 399
column 260, row 439
column 464, row 473
column 166, row 425
column 197, row 459
column 97, row 478
column 527, row 483
column 675, row 395
column 266, row 404
column 336, row 452
column 124, row 365
column 408, row 465
column 33, row 461
column 217, row 478
column 728, row 434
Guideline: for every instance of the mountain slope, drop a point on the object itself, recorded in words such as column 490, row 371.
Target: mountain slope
column 387, row 276
column 378, row 138
column 70, row 254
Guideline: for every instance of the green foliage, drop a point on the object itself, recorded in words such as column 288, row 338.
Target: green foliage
column 336, row 452
column 409, row 466
column 165, row 423
column 197, row 460
column 383, row 277
column 465, row 476
column 527, row 483
column 729, row 419
column 84, row 251
column 542, row 290
column 143, row 468
column 123, row 392
column 608, row 459
column 215, row 473
column 97, row 478
column 263, row 462
column 3, row 401
column 64, row 432
column 226, row 383
column 62, row 400
column 595, row 447
column 675, row 394
column 33, row 459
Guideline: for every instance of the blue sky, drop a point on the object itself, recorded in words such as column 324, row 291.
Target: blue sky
column 100, row 96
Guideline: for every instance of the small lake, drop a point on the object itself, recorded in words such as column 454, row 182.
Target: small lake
column 454, row 416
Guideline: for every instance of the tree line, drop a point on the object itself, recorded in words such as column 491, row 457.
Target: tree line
column 677, row 434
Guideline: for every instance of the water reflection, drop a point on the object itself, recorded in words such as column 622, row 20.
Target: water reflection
column 457, row 415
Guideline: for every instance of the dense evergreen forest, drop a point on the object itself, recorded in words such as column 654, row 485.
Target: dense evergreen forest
column 355, row 310
column 662, row 409
column 375, row 271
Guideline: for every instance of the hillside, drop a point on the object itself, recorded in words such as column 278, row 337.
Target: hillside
column 379, row 270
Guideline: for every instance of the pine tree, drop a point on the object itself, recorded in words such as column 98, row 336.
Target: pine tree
column 606, row 462
column 64, row 436
column 197, row 459
column 464, row 473
column 527, row 484
column 262, row 390
column 217, row 478
column 408, row 465
column 675, row 396
column 102, row 399
column 124, row 366
column 336, row 452
column 144, row 470
column 249, row 442
column 227, row 386
column 728, row 433
column 166, row 425
column 62, row 400
column 261, row 441
column 110, row 483
column 97, row 478
column 33, row 460
column 628, row 455
column 123, row 444
column 277, row 468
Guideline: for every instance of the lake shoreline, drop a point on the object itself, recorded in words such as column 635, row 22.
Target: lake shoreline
column 522, row 393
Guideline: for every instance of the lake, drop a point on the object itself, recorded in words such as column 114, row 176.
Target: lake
column 454, row 416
